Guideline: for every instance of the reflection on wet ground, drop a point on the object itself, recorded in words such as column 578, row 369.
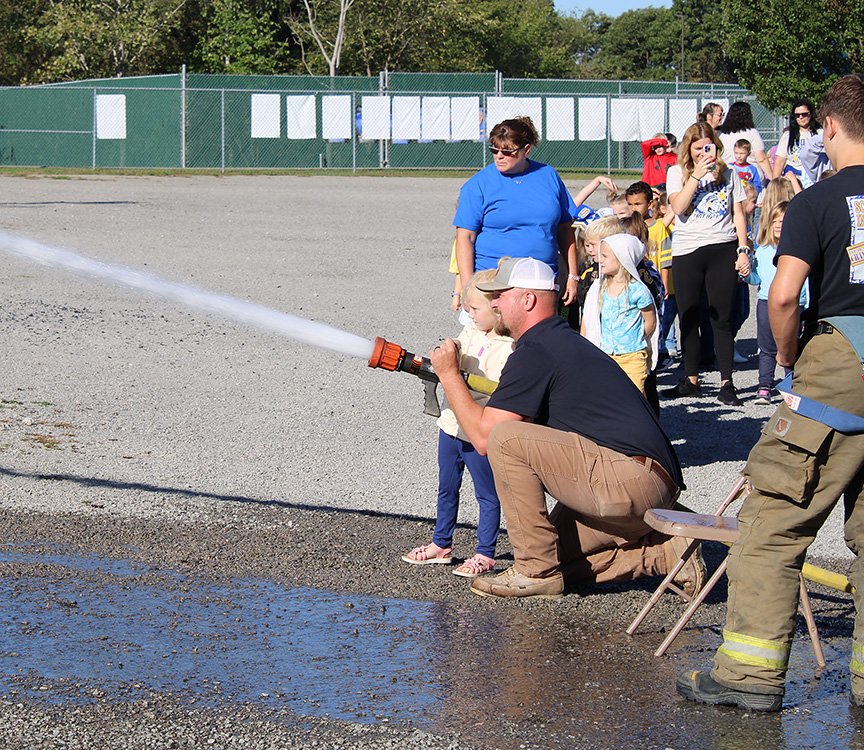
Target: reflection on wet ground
column 82, row 629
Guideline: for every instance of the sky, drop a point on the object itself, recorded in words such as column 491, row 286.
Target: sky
column 609, row 7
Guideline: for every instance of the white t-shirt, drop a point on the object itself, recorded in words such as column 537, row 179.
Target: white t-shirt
column 709, row 221
column 729, row 139
column 783, row 144
column 793, row 155
column 482, row 354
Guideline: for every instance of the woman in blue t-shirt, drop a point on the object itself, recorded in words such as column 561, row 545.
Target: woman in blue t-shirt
column 515, row 207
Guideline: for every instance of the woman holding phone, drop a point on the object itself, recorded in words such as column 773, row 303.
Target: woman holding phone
column 709, row 249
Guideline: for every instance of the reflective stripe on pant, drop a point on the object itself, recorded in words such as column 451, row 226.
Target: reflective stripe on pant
column 798, row 470
column 756, row 652
column 856, row 663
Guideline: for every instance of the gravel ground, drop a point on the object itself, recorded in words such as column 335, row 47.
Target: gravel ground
column 132, row 427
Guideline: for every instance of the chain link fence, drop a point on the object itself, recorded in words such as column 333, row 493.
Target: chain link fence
column 393, row 121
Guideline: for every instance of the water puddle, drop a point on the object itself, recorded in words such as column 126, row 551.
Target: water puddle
column 84, row 629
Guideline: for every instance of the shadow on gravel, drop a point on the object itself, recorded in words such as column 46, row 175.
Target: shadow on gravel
column 733, row 434
column 12, row 204
column 183, row 492
column 84, row 630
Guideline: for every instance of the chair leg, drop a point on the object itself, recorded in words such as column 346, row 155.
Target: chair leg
column 807, row 611
column 693, row 606
column 665, row 584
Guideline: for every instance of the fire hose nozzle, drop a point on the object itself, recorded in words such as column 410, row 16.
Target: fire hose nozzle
column 393, row 357
column 387, row 356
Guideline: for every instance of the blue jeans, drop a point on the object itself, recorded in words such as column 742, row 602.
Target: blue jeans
column 667, row 325
column 453, row 456
column 767, row 346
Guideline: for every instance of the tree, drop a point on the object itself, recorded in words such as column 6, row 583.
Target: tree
column 98, row 38
column 586, row 33
column 645, row 44
column 653, row 57
column 239, row 39
column 414, row 36
column 323, row 22
column 705, row 41
column 525, row 38
column 797, row 48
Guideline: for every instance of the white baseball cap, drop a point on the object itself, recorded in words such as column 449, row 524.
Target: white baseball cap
column 522, row 273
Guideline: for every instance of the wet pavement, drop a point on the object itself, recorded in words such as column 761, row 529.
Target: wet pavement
column 87, row 629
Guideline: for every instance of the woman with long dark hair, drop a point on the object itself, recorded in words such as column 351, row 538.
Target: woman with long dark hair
column 709, row 249
column 802, row 125
column 739, row 125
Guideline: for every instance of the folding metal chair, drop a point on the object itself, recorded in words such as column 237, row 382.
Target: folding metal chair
column 716, row 527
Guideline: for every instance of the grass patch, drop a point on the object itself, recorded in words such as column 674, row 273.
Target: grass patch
column 46, row 441
column 65, row 173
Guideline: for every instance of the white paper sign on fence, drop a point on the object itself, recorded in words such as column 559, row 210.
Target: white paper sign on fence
column 406, row 118
column 265, row 115
column 435, row 125
column 110, row 116
column 376, row 117
column 682, row 114
column 652, row 117
column 465, row 118
column 560, row 119
column 336, row 118
column 592, row 118
column 300, row 117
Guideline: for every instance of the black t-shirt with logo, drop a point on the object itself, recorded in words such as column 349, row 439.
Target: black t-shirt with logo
column 560, row 379
column 824, row 227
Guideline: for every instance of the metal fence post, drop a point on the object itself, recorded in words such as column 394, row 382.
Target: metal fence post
column 353, row 132
column 608, row 135
column 183, row 117
column 94, row 128
column 222, row 118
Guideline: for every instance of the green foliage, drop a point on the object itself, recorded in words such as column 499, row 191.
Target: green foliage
column 586, row 33
column 524, row 39
column 15, row 56
column 704, row 41
column 74, row 39
column 239, row 39
column 520, row 39
column 413, row 35
column 780, row 49
column 655, row 56
column 786, row 50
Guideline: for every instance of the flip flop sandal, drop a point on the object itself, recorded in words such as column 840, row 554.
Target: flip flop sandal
column 476, row 566
column 428, row 555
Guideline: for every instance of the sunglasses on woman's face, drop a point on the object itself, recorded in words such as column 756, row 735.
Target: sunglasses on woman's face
column 799, row 115
column 505, row 151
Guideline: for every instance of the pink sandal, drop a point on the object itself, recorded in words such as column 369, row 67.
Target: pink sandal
column 476, row 566
column 428, row 555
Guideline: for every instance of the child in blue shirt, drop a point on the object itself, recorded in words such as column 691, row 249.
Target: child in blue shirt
column 620, row 314
column 762, row 272
column 749, row 173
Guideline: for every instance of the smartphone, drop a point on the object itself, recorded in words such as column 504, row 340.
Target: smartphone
column 710, row 148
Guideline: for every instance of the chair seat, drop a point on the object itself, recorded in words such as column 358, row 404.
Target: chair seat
column 693, row 525
column 699, row 526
